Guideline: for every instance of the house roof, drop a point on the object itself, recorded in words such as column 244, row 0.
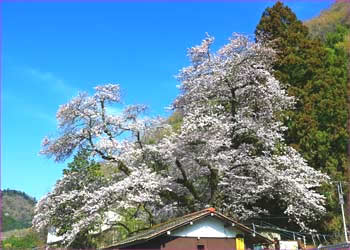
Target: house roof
column 173, row 224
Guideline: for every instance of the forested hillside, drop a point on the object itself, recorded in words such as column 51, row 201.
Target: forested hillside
column 327, row 21
column 312, row 63
column 17, row 210
column 332, row 27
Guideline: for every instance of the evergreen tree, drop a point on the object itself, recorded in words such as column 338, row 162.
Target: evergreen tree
column 316, row 76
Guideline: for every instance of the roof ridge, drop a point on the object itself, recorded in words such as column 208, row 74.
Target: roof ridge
column 180, row 217
column 176, row 218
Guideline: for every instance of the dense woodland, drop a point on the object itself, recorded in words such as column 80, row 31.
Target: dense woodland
column 289, row 119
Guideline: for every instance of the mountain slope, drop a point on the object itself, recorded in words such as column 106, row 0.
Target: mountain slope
column 338, row 13
column 17, row 210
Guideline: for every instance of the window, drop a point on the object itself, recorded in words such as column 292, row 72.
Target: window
column 200, row 247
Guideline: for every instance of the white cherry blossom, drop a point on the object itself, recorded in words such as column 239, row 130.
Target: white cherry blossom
column 229, row 153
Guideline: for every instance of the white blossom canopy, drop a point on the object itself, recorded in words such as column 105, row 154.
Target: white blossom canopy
column 229, row 152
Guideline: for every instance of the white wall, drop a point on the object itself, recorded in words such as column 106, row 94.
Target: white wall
column 52, row 237
column 207, row 227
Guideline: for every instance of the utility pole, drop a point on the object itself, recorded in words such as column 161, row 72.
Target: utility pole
column 341, row 202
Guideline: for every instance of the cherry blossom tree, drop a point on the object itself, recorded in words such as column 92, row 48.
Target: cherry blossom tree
column 229, row 152
column 78, row 203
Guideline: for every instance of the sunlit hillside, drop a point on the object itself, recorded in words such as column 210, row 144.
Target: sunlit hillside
column 338, row 13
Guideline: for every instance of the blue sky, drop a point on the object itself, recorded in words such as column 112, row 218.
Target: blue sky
column 52, row 50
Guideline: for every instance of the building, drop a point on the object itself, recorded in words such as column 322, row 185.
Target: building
column 203, row 230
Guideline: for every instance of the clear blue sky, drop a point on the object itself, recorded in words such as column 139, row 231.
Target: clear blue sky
column 52, row 50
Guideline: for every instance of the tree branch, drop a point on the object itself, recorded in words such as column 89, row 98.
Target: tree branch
column 213, row 180
column 138, row 138
column 151, row 217
column 105, row 128
column 185, row 180
column 170, row 195
column 121, row 165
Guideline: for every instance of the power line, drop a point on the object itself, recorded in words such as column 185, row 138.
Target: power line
column 289, row 234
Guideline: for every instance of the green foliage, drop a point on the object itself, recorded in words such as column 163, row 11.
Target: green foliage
column 84, row 240
column 336, row 38
column 280, row 22
column 29, row 240
column 316, row 75
column 119, row 231
column 82, row 163
column 333, row 29
column 175, row 120
column 9, row 223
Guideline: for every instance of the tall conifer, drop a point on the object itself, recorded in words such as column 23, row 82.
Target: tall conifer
column 315, row 75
